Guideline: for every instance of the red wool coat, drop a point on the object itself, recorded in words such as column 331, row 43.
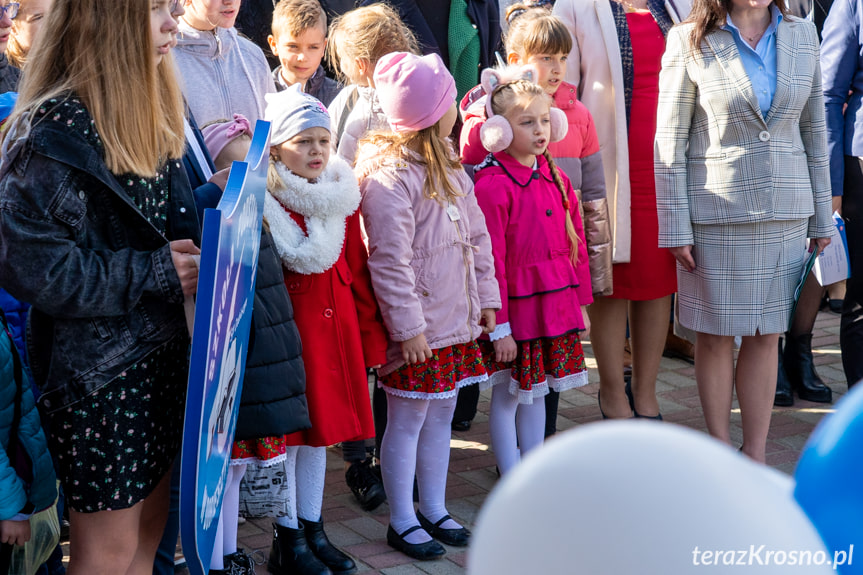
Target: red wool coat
column 343, row 334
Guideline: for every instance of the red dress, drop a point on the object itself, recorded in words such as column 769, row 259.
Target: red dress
column 343, row 334
column 651, row 272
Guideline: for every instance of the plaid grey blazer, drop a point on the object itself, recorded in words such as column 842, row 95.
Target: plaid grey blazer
column 717, row 159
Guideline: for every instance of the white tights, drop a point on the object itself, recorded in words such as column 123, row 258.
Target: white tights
column 305, row 469
column 226, row 533
column 416, row 441
column 514, row 427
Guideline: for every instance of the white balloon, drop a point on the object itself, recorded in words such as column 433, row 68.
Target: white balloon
column 636, row 497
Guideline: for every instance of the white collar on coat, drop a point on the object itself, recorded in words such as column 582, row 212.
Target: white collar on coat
column 324, row 205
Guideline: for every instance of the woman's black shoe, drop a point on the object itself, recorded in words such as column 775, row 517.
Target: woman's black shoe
column 457, row 537
column 336, row 560
column 628, row 390
column 784, row 396
column 420, row 551
column 800, row 369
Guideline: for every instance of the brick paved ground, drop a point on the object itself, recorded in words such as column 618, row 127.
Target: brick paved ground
column 472, row 473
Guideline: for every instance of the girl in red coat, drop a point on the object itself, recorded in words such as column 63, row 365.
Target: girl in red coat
column 311, row 210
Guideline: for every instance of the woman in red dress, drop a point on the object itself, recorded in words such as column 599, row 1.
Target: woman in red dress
column 615, row 63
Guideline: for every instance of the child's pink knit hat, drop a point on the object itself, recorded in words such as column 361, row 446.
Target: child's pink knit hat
column 414, row 91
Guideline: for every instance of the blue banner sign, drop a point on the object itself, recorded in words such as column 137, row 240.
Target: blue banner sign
column 223, row 314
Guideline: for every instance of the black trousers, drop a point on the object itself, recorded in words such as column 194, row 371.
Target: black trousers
column 851, row 328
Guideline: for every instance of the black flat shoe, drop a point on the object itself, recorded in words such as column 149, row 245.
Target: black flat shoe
column 420, row 551
column 458, row 537
column 599, row 401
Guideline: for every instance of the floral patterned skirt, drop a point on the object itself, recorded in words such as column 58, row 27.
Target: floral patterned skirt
column 114, row 446
column 539, row 364
column 440, row 377
column 263, row 452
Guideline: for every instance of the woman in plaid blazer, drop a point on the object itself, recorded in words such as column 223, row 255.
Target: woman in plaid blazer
column 742, row 179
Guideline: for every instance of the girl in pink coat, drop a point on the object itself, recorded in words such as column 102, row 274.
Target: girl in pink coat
column 540, row 262
column 431, row 267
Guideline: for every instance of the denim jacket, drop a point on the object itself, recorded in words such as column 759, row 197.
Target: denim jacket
column 99, row 276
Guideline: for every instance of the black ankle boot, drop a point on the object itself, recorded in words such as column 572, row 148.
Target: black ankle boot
column 290, row 554
column 784, row 396
column 320, row 545
column 801, row 370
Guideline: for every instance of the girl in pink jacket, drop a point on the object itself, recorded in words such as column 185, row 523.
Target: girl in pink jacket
column 540, row 262
column 431, row 267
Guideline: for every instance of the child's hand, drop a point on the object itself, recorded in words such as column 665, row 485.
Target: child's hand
column 186, row 256
column 14, row 532
column 505, row 349
column 220, row 178
column 488, row 320
column 416, row 349
column 586, row 321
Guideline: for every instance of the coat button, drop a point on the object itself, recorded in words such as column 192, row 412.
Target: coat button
column 425, row 294
column 328, row 313
column 182, row 210
column 47, row 403
column 548, row 212
column 81, row 194
column 764, row 136
column 571, row 90
column 535, row 175
column 293, row 285
column 570, row 101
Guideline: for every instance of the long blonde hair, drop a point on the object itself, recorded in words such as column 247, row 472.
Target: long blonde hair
column 435, row 154
column 137, row 106
column 523, row 92
column 368, row 33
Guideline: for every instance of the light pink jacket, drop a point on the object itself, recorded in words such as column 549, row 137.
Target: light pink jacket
column 432, row 274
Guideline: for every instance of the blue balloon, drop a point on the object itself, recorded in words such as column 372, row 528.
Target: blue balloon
column 828, row 481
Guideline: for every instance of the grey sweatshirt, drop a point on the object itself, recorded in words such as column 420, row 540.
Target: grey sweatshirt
column 222, row 74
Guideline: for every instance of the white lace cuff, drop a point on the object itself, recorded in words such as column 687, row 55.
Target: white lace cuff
column 501, row 331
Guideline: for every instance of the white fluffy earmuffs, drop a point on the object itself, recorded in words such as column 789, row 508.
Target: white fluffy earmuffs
column 496, row 133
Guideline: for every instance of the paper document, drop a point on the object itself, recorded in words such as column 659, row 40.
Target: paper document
column 832, row 265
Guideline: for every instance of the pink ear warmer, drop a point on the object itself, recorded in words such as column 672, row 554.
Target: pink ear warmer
column 496, row 133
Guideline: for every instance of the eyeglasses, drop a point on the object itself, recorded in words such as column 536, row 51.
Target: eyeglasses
column 173, row 5
column 10, row 9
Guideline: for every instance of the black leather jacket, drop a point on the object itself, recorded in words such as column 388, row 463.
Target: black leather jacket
column 99, row 276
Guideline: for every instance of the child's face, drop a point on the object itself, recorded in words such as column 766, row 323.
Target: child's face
column 306, row 154
column 551, row 67
column 358, row 71
column 531, row 130
column 29, row 21
column 234, row 151
column 448, row 121
column 299, row 55
column 162, row 28
column 210, row 14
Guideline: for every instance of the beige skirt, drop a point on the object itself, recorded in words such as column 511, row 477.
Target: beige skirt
column 744, row 279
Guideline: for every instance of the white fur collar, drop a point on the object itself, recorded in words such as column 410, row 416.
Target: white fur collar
column 324, row 205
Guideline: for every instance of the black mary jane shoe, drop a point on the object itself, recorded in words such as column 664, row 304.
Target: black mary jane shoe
column 421, row 551
column 457, row 537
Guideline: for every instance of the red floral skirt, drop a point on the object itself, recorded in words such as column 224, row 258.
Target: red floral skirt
column 448, row 369
column 264, row 451
column 539, row 364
